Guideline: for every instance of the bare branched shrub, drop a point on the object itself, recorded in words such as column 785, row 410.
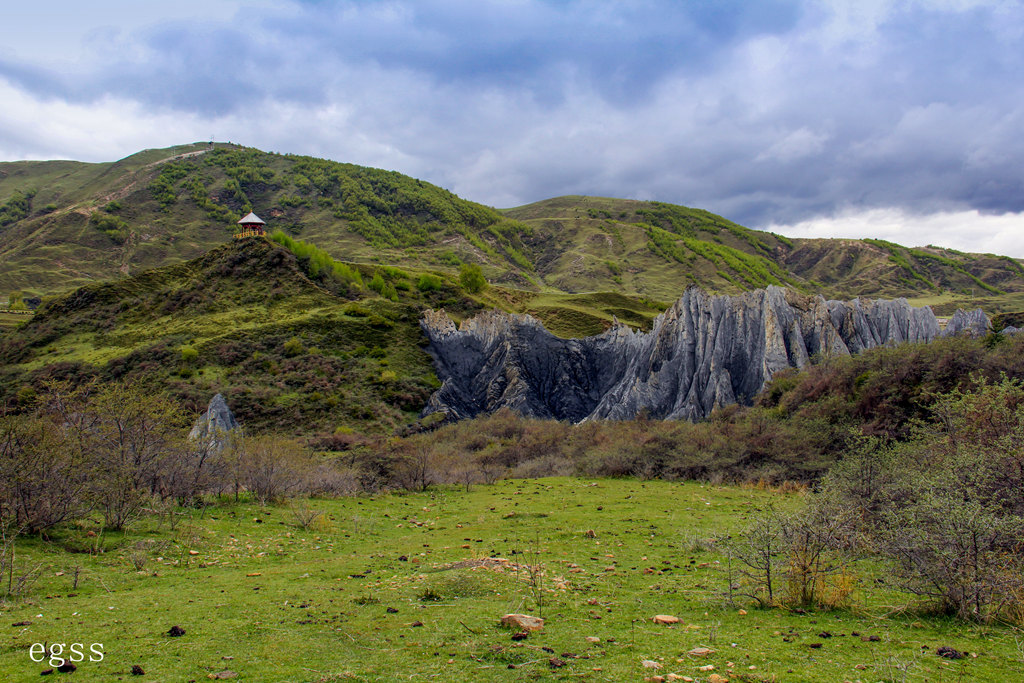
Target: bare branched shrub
column 304, row 514
column 798, row 559
column 272, row 467
column 44, row 479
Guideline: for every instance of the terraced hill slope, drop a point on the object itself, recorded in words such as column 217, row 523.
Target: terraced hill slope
column 65, row 224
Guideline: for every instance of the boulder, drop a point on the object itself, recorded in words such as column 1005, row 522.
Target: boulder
column 523, row 622
column 217, row 426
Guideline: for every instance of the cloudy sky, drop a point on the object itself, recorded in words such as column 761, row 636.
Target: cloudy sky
column 900, row 120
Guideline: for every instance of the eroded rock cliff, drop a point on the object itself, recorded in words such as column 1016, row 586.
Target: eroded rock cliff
column 703, row 352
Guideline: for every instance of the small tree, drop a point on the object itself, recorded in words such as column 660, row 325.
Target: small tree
column 132, row 442
column 43, row 481
column 14, row 301
column 471, row 277
column 273, row 467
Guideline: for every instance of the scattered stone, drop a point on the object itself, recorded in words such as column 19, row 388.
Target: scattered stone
column 654, row 679
column 22, row 623
column 706, row 667
column 590, row 533
column 593, row 639
column 138, row 670
column 870, row 639
column 222, row 675
column 392, row 610
column 814, row 646
column 949, row 653
column 743, row 612
column 416, row 624
column 861, row 667
column 715, row 678
column 255, row 574
column 665, row 619
column 700, row 652
column 523, row 622
column 176, row 632
column 556, row 663
column 193, row 552
column 824, row 634
column 520, row 635
column 46, row 672
column 650, row 664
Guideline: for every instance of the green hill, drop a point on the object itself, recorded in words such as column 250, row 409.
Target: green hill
column 64, row 224
column 288, row 351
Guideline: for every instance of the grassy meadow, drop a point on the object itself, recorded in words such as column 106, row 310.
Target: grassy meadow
column 406, row 587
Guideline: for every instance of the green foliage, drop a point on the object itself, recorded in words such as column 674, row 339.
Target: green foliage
column 164, row 186
column 449, row 257
column 14, row 301
column 189, row 354
column 201, row 197
column 428, row 283
column 946, row 506
column 897, row 257
column 17, row 207
column 755, row 270
column 113, row 227
column 955, row 266
column 317, row 262
column 293, row 347
column 471, row 277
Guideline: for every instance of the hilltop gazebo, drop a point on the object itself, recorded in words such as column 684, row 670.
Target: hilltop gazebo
column 252, row 226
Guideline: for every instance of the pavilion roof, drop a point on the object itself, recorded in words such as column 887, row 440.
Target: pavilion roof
column 252, row 218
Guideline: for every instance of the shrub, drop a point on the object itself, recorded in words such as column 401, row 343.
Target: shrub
column 428, row 283
column 471, row 278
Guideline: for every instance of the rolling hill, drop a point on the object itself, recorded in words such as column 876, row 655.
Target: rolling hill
column 64, row 224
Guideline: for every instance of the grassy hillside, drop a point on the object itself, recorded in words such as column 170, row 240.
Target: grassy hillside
column 656, row 249
column 293, row 345
column 289, row 352
column 67, row 224
column 64, row 224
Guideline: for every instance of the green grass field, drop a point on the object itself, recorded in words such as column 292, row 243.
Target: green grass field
column 403, row 587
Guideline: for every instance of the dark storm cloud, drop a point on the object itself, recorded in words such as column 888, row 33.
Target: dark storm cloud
column 767, row 112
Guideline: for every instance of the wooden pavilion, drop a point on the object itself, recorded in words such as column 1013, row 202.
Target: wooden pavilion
column 252, row 226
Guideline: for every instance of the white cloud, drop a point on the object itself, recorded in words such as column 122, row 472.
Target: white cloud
column 962, row 230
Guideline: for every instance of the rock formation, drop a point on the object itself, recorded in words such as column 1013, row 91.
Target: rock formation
column 216, row 426
column 703, row 352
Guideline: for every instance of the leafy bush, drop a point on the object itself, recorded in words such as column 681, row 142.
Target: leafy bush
column 18, row 206
column 428, row 283
column 471, row 278
column 318, row 262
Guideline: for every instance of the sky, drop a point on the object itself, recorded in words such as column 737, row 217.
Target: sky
column 812, row 118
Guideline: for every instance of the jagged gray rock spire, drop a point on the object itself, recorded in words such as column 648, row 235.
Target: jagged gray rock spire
column 703, row 352
column 217, row 426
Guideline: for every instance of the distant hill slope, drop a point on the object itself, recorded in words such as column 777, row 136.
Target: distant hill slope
column 289, row 352
column 657, row 249
column 64, row 224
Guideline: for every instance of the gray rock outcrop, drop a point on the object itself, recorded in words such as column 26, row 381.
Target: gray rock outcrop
column 972, row 323
column 703, row 352
column 217, row 426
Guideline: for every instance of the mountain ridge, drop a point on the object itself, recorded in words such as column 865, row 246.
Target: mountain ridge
column 64, row 224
